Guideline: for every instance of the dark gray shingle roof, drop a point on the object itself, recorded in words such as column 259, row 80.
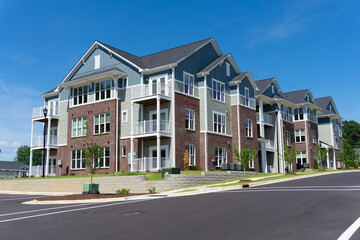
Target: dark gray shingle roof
column 322, row 103
column 51, row 91
column 238, row 77
column 214, row 63
column 95, row 72
column 262, row 85
column 8, row 165
column 296, row 97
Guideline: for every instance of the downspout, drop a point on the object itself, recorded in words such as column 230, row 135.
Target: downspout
column 206, row 121
column 173, row 115
column 238, row 114
column 117, row 126
column 306, row 138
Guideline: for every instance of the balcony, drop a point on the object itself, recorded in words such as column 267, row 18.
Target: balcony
column 287, row 117
column 150, row 164
column 150, row 90
column 38, row 142
column 150, row 127
column 52, row 112
column 268, row 119
column 247, row 102
column 270, row 145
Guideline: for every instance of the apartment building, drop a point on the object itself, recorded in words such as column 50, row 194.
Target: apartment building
column 147, row 111
column 330, row 130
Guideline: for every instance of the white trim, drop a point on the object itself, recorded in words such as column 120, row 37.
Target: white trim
column 215, row 133
column 193, row 83
column 166, row 111
column 104, row 100
column 212, row 93
column 187, row 95
column 97, row 61
column 213, row 120
column 206, row 122
column 228, row 70
column 122, row 116
column 194, row 120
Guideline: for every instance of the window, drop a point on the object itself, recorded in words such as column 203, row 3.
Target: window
column 272, row 89
column 251, row 162
column 247, row 94
column 313, row 134
column 191, row 150
column 102, row 123
column 286, row 114
column 189, row 119
column 104, row 161
column 218, row 89
column 300, row 135
column 219, row 123
column 311, row 114
column 124, row 116
column 122, row 83
column 307, row 98
column 188, row 83
column 97, row 61
column 103, row 90
column 248, row 127
column 220, row 156
column 77, row 160
column 228, row 69
column 299, row 114
column 301, row 158
column 80, row 95
column 123, row 151
column 288, row 138
column 79, row 127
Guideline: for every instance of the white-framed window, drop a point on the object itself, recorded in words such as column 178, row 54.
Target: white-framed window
column 124, row 116
column 220, row 156
column 104, row 161
column 218, row 89
column 219, row 121
column 311, row 115
column 228, row 69
column 247, row 96
column 123, row 151
column 299, row 114
column 103, row 90
column 300, row 135
column 122, row 83
column 288, row 138
column 191, row 150
column 301, row 158
column 248, row 127
column 77, row 160
column 97, row 62
column 251, row 162
column 313, row 135
column 78, row 127
column 330, row 109
column 102, row 123
column 189, row 119
column 188, row 83
column 307, row 98
column 272, row 89
column 79, row 95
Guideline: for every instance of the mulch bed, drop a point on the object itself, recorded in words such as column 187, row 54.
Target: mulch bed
column 290, row 173
column 87, row 196
column 245, row 180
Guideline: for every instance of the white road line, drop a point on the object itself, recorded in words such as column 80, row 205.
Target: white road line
column 350, row 231
column 71, row 210
column 307, row 187
column 287, row 190
column 13, row 196
column 6, row 199
column 46, row 209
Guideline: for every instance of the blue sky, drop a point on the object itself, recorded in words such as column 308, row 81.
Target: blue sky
column 304, row 44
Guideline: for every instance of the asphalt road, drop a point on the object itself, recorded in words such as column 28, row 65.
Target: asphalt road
column 314, row 208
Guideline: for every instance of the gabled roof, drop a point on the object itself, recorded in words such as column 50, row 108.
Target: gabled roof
column 323, row 102
column 51, row 92
column 265, row 83
column 8, row 165
column 297, row 97
column 213, row 64
column 238, row 78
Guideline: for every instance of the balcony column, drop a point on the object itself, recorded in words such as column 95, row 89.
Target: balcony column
column 31, row 144
column 48, row 147
column 261, row 118
column 158, row 132
column 263, row 158
column 132, row 139
column 328, row 159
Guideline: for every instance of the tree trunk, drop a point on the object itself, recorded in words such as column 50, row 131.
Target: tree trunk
column 244, row 173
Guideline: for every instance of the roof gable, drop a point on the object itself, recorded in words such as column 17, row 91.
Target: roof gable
column 299, row 96
column 327, row 105
column 268, row 87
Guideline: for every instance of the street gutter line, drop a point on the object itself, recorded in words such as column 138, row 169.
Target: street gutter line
column 308, row 187
column 71, row 210
column 350, row 231
column 16, row 198
column 288, row 190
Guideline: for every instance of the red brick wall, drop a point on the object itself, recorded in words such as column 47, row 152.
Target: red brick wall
column 184, row 136
column 215, row 140
column 287, row 126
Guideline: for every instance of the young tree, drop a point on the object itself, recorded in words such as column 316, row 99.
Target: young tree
column 289, row 155
column 320, row 155
column 186, row 160
column 244, row 157
column 93, row 156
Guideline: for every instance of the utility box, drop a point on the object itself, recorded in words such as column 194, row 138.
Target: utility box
column 94, row 188
column 170, row 171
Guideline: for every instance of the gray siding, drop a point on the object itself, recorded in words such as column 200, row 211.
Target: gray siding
column 64, row 94
column 268, row 91
column 246, row 83
column 325, row 134
column 63, row 122
column 219, row 73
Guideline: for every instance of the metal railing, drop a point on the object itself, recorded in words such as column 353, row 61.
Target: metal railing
column 268, row 119
column 38, row 141
column 287, row 116
column 247, row 102
column 37, row 171
column 269, row 145
column 312, row 118
column 150, row 164
column 151, row 89
column 150, row 126
column 39, row 112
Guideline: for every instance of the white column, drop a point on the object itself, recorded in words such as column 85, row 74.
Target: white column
column 328, row 159
column 281, row 141
column 158, row 131
column 206, row 123
column 48, row 147
column 173, row 142
column 263, row 158
column 47, row 161
column 261, row 119
column 132, row 139
column 238, row 114
column 115, row 79
column 31, row 144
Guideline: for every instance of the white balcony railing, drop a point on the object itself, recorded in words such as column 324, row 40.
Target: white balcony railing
column 268, row 119
column 247, row 102
column 39, row 112
column 152, row 89
column 312, row 118
column 287, row 116
column 150, row 164
column 37, row 171
column 269, row 145
column 38, row 141
column 150, row 126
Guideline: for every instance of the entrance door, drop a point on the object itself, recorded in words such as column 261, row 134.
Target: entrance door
column 52, row 166
column 157, row 85
column 163, row 157
column 53, row 106
column 163, row 118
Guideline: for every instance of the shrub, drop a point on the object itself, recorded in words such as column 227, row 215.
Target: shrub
column 123, row 191
column 152, row 190
column 316, row 166
column 186, row 160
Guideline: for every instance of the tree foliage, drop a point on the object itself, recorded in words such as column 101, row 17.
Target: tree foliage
column 23, row 155
column 320, row 155
column 289, row 155
column 351, row 133
column 244, row 157
column 186, row 159
column 92, row 155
